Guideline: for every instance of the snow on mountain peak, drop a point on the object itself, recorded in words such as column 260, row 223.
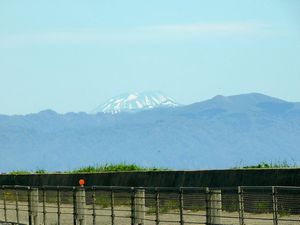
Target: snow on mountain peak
column 135, row 101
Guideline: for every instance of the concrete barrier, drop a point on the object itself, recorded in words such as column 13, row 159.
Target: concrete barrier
column 80, row 206
column 213, row 207
column 204, row 178
column 139, row 208
column 33, row 206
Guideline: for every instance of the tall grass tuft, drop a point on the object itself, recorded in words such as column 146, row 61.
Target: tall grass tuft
column 264, row 165
column 114, row 168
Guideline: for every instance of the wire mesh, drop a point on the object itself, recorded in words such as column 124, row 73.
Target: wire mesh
column 14, row 205
column 149, row 206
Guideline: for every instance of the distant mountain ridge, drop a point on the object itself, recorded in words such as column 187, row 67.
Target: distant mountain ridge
column 245, row 102
column 132, row 102
column 218, row 133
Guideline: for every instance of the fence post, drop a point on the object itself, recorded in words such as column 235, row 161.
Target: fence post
column 17, row 205
column 156, row 206
column 275, row 206
column 181, row 206
column 241, row 205
column 94, row 205
column 58, row 197
column 29, row 206
column 207, row 206
column 139, row 206
column 112, row 205
column 132, row 197
column 213, row 207
column 74, row 206
column 80, row 206
column 34, row 205
column 4, row 204
column 44, row 207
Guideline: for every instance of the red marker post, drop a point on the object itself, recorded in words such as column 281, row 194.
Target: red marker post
column 80, row 203
column 81, row 182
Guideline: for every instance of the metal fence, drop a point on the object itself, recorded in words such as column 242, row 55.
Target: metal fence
column 149, row 206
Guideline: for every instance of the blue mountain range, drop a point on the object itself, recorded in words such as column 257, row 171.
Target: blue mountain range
column 221, row 132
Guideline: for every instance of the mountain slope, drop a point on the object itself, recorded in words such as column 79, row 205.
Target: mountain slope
column 217, row 133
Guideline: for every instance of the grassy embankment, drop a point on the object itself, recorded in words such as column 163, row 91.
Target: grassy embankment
column 264, row 165
column 134, row 167
column 96, row 169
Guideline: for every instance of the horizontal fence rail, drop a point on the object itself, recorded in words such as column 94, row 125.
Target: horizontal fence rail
column 49, row 205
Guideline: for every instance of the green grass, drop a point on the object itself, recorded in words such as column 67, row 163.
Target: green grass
column 114, row 168
column 271, row 165
column 40, row 171
column 168, row 206
column 19, row 172
column 151, row 210
column 24, row 172
column 103, row 200
column 95, row 169
column 134, row 167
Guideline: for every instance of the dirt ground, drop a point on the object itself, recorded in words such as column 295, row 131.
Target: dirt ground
column 122, row 216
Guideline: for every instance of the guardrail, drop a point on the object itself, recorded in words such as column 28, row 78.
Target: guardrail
column 148, row 206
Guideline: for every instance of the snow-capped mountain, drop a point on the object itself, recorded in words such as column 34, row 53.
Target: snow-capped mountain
column 130, row 102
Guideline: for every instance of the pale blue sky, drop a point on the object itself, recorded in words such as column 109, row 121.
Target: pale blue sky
column 73, row 55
